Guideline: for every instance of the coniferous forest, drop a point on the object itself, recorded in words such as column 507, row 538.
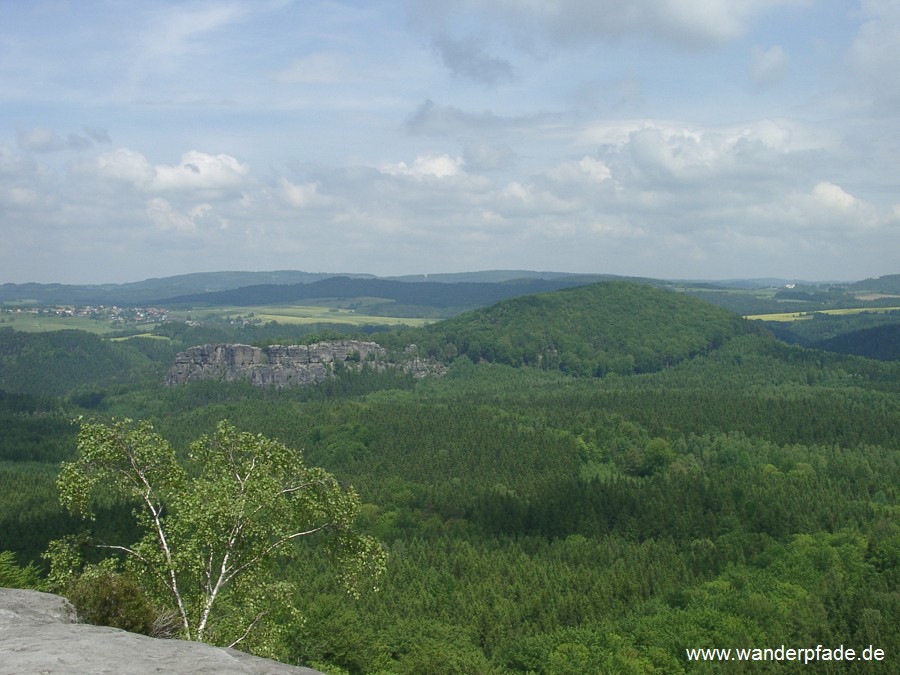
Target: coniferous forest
column 606, row 476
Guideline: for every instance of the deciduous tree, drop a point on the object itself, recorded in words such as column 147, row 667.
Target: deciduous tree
column 217, row 529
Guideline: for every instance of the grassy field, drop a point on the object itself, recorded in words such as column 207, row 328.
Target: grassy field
column 33, row 323
column 801, row 316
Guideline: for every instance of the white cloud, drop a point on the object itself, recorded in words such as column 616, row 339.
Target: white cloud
column 128, row 166
column 833, row 197
column 200, row 171
column 190, row 222
column 768, row 66
column 680, row 153
column 427, row 166
column 667, row 151
column 586, row 169
column 829, row 207
column 534, row 202
column 163, row 216
column 196, row 171
column 301, row 196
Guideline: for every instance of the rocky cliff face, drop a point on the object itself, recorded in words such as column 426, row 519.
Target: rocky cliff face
column 282, row 366
column 39, row 633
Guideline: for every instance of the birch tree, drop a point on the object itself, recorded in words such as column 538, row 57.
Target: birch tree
column 217, row 530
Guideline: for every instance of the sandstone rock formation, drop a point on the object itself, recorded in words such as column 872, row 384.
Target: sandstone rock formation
column 276, row 365
column 282, row 366
column 39, row 633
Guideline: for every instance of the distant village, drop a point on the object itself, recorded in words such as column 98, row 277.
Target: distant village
column 113, row 314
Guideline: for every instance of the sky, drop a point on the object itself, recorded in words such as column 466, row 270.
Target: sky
column 676, row 139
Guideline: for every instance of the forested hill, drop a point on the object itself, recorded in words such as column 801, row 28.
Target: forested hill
column 461, row 295
column 889, row 283
column 55, row 363
column 147, row 291
column 462, row 289
column 613, row 326
column 878, row 342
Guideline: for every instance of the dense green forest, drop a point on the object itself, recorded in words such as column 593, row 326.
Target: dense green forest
column 606, row 477
column 617, row 327
column 876, row 336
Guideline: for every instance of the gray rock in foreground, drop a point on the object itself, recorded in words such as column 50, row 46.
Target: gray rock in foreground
column 39, row 634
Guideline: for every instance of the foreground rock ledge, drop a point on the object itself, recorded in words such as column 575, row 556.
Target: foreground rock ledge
column 39, row 634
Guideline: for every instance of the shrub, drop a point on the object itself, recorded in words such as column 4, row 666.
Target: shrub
column 106, row 598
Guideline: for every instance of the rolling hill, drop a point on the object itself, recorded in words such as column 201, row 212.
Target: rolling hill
column 452, row 297
column 54, row 363
column 878, row 342
column 193, row 288
column 889, row 283
column 615, row 326
column 148, row 291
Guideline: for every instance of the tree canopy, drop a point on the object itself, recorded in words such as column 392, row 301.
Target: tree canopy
column 611, row 326
column 214, row 530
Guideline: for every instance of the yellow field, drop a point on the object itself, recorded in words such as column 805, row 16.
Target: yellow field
column 149, row 336
column 801, row 316
column 294, row 314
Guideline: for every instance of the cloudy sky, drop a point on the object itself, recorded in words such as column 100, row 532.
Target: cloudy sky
column 664, row 138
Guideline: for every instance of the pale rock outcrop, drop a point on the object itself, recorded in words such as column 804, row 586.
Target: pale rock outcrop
column 276, row 365
column 286, row 365
column 39, row 633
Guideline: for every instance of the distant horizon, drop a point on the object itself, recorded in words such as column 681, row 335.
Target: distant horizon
column 466, row 272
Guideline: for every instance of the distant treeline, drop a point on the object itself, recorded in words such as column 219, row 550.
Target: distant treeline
column 870, row 334
column 447, row 296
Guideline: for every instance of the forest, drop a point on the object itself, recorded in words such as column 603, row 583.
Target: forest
column 607, row 476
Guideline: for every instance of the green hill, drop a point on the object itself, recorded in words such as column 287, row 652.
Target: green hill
column 879, row 342
column 615, row 326
column 889, row 283
column 55, row 363
column 451, row 297
column 147, row 291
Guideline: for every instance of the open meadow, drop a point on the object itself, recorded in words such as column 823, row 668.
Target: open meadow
column 28, row 322
column 801, row 316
